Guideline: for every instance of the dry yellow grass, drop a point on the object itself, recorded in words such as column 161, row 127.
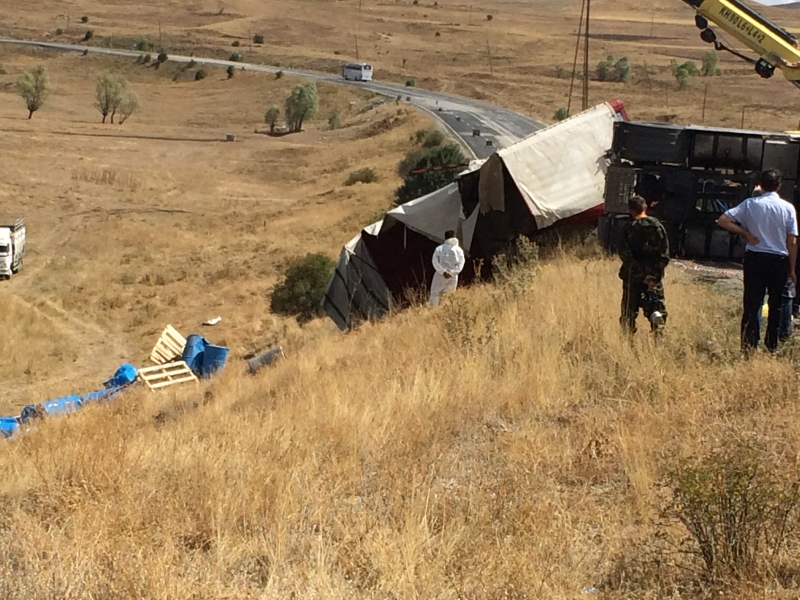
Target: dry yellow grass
column 499, row 447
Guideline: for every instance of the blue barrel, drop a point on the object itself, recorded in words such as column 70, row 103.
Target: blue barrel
column 214, row 359
column 8, row 426
column 193, row 352
column 124, row 375
column 60, row 406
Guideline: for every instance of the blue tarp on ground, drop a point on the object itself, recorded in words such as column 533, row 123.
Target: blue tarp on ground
column 8, row 426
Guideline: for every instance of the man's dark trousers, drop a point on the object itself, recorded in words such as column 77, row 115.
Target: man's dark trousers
column 768, row 273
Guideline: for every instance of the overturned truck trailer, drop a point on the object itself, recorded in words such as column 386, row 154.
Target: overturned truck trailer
column 689, row 176
column 552, row 179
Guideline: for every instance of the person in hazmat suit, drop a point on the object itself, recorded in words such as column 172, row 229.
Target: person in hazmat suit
column 644, row 249
column 448, row 261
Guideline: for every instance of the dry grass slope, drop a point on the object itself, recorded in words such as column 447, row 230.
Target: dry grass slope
column 511, row 444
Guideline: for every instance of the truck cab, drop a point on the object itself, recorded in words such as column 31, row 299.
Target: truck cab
column 12, row 245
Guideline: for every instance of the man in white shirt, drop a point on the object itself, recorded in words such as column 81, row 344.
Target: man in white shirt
column 448, row 261
column 769, row 224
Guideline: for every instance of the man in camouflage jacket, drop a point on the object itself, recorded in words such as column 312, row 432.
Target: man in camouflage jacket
column 644, row 249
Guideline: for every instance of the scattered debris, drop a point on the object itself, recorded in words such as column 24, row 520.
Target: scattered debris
column 265, row 358
column 165, row 375
column 213, row 321
column 168, row 347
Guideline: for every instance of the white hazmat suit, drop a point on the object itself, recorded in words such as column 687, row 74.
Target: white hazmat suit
column 447, row 258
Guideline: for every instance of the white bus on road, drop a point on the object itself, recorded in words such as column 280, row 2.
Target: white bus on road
column 357, row 72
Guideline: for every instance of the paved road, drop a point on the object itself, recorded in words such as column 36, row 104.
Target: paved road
column 499, row 127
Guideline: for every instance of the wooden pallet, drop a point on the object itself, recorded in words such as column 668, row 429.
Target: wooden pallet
column 168, row 347
column 169, row 374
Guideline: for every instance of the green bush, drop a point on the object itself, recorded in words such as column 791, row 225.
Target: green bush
column 411, row 82
column 88, row 35
column 365, row 175
column 433, row 138
column 142, row 45
column 614, row 70
column 235, row 43
column 711, row 64
column 561, row 114
column 230, row 71
column 300, row 293
column 279, row 75
column 428, row 138
column 235, row 57
column 146, row 59
column 199, row 75
column 428, row 180
column 562, row 73
column 59, row 31
column 162, row 57
column 84, row 19
column 737, row 505
column 258, row 38
column 334, row 120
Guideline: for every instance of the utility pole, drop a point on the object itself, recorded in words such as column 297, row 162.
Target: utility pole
column 359, row 5
column 575, row 61
column 68, row 23
column 647, row 74
column 586, row 58
column 160, row 40
column 705, row 95
column 250, row 37
column 652, row 24
column 489, row 50
column 470, row 14
column 355, row 36
column 743, row 109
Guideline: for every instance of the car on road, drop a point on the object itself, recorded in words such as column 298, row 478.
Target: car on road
column 357, row 72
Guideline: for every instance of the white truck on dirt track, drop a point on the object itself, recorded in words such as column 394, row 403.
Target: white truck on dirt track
column 12, row 245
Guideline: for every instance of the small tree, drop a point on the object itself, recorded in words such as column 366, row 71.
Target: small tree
column 230, row 71
column 34, row 87
column 302, row 104
column 200, row 74
column 271, row 117
column 128, row 106
column 109, row 91
column 84, row 19
column 162, row 57
column 88, row 35
column 711, row 64
column 258, row 38
column 302, row 290
column 561, row 114
column 235, row 57
column 420, row 176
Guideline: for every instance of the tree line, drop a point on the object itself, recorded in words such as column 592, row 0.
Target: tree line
column 112, row 95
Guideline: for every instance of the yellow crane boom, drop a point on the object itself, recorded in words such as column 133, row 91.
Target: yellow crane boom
column 776, row 47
